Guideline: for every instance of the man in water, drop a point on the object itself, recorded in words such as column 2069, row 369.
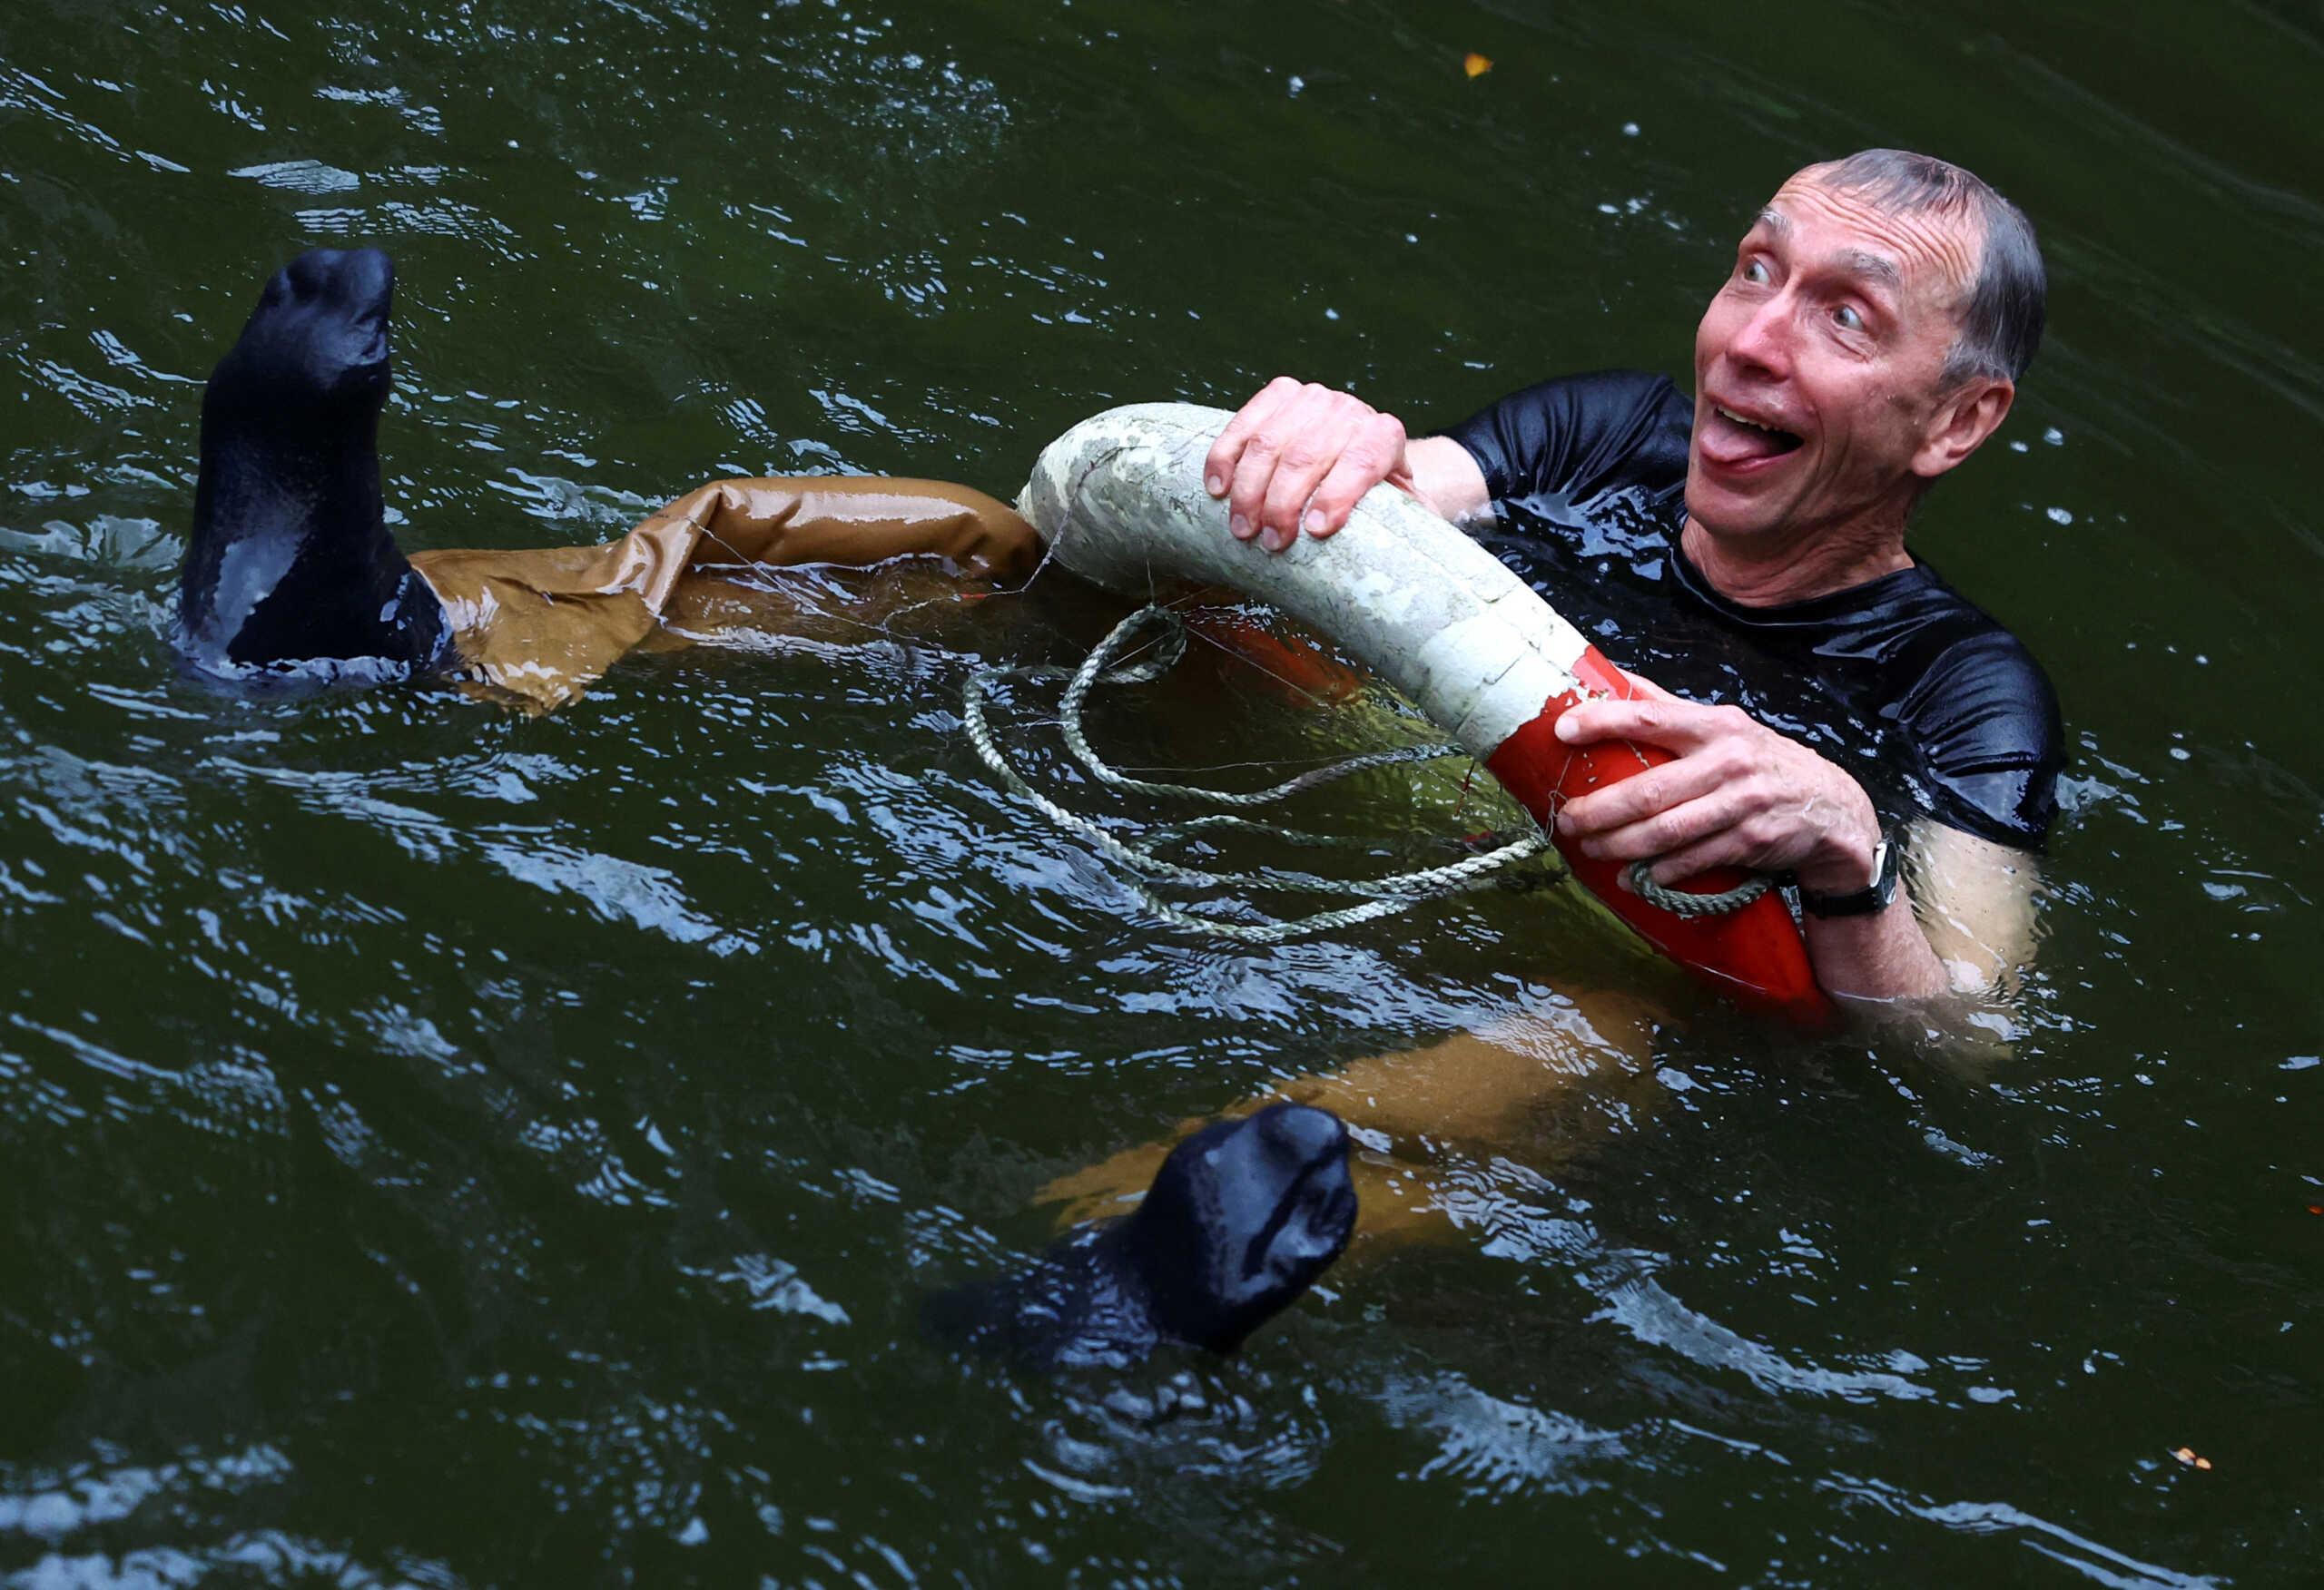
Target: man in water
column 1870, row 337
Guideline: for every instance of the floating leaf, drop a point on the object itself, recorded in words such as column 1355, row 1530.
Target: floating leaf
column 1476, row 66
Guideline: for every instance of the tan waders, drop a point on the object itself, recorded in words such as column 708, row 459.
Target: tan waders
column 535, row 626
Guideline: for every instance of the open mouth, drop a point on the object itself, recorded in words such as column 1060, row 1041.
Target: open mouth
column 1732, row 439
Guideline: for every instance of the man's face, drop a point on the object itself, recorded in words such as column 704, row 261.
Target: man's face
column 1817, row 365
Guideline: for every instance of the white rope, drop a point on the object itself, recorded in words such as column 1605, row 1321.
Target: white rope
column 1383, row 896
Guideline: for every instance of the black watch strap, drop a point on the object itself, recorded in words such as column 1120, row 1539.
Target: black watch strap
column 1886, row 862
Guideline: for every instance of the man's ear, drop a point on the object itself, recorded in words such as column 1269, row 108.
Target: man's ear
column 1964, row 418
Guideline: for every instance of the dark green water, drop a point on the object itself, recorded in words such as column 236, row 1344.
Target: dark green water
column 447, row 1148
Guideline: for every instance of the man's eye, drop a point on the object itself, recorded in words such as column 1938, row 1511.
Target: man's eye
column 1846, row 319
column 1756, row 272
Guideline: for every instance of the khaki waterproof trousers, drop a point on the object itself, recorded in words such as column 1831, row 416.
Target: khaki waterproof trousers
column 535, row 626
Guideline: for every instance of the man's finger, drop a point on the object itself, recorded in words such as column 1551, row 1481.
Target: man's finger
column 1635, row 798
column 1719, row 849
column 1285, row 456
column 1706, row 824
column 1377, row 454
column 1306, row 459
column 1249, row 448
column 1246, row 496
column 1218, row 466
column 1666, row 721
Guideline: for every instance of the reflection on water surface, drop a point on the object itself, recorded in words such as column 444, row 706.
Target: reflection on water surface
column 444, row 1147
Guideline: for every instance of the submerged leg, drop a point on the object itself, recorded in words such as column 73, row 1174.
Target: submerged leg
column 1539, row 1087
column 290, row 570
column 1239, row 1220
column 539, row 625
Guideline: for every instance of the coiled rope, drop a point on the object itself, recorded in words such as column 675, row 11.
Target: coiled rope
column 1381, row 896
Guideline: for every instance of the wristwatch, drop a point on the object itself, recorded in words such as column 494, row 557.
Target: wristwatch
column 1886, row 862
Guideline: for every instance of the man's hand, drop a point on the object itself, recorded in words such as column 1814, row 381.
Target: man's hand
column 1300, row 454
column 1740, row 794
column 1744, row 796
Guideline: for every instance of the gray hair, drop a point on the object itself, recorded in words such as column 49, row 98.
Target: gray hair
column 2001, row 323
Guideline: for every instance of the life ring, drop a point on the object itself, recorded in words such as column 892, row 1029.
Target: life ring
column 1119, row 499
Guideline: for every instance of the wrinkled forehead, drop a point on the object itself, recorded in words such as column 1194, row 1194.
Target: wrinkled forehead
column 1925, row 253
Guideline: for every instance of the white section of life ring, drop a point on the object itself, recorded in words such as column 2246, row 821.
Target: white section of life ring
column 1119, row 498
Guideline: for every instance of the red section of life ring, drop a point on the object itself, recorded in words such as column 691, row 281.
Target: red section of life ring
column 1755, row 955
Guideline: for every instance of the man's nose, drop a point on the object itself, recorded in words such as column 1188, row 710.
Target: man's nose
column 1765, row 340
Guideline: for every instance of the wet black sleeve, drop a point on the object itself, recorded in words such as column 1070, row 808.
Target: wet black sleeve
column 1568, row 441
column 1985, row 726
